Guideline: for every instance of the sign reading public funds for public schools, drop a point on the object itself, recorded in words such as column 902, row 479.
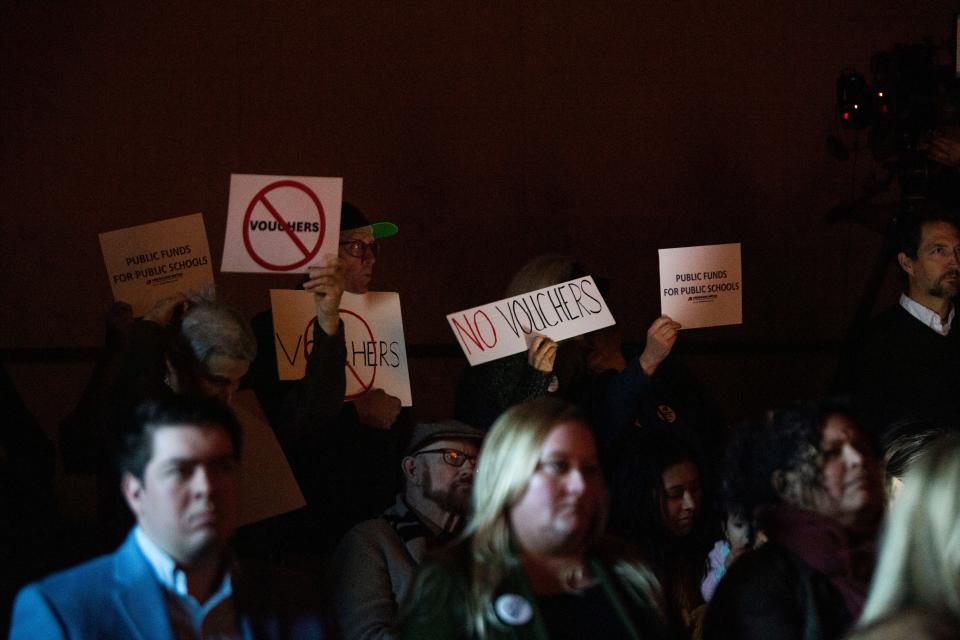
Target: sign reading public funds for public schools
column 701, row 286
column 157, row 260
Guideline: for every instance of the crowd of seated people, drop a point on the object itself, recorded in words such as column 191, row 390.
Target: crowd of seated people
column 581, row 492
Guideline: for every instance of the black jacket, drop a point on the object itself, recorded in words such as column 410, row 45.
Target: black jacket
column 771, row 593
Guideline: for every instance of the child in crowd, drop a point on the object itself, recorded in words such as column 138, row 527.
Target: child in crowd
column 739, row 535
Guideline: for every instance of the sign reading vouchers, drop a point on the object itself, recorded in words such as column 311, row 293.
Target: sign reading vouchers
column 281, row 224
column 156, row 260
column 499, row 329
column 700, row 286
column 373, row 332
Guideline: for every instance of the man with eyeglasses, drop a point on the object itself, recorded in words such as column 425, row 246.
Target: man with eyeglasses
column 375, row 562
column 359, row 250
column 359, row 246
column 324, row 434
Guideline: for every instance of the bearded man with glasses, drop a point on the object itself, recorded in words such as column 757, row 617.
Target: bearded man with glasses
column 375, row 562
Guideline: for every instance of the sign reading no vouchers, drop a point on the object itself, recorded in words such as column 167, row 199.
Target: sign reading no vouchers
column 508, row 326
column 700, row 286
column 373, row 332
column 281, row 224
column 157, row 260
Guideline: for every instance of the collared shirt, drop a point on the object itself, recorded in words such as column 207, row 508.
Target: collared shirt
column 215, row 619
column 929, row 317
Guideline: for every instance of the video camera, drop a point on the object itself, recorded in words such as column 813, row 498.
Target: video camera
column 910, row 97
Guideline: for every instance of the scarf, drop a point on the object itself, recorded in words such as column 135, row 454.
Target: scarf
column 846, row 559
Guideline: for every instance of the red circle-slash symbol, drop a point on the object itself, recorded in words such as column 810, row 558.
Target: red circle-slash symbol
column 261, row 198
column 308, row 347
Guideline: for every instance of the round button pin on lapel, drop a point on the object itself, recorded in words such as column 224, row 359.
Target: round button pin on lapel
column 554, row 384
column 513, row 610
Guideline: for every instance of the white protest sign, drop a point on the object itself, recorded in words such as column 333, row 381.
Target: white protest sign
column 280, row 224
column 508, row 326
column 700, row 286
column 157, row 260
column 373, row 332
column 267, row 484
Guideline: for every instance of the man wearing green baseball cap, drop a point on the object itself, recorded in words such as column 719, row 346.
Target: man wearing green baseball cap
column 358, row 246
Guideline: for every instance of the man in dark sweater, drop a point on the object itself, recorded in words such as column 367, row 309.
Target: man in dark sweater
column 332, row 439
column 908, row 367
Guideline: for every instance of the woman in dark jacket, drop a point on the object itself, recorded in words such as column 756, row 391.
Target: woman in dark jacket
column 820, row 495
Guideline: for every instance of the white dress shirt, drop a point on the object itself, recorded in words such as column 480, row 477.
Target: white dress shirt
column 927, row 316
column 214, row 619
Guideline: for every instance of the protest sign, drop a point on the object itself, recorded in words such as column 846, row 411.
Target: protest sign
column 508, row 326
column 373, row 331
column 267, row 485
column 278, row 224
column 701, row 286
column 157, row 260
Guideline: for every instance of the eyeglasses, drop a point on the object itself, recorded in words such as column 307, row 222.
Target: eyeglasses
column 453, row 457
column 358, row 248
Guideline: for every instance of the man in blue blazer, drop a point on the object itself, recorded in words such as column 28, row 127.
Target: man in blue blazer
column 174, row 576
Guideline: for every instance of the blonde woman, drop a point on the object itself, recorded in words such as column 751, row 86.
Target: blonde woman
column 915, row 591
column 532, row 562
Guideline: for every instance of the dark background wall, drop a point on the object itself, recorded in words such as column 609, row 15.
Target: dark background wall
column 489, row 132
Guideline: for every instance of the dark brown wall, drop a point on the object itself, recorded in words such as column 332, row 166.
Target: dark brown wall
column 488, row 131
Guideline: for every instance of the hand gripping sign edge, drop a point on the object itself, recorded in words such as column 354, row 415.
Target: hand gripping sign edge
column 261, row 198
column 365, row 387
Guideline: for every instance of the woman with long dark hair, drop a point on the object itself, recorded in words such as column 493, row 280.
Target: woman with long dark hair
column 658, row 490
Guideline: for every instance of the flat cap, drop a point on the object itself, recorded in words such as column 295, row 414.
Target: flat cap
column 426, row 432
